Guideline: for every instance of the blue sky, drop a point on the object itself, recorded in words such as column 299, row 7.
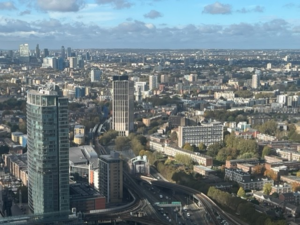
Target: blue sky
column 237, row 24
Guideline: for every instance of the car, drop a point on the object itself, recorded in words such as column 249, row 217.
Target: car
column 188, row 214
column 161, row 196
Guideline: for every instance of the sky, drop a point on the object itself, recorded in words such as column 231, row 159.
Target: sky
column 151, row 24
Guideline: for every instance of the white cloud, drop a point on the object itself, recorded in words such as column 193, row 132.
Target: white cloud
column 7, row 6
column 217, row 8
column 53, row 33
column 61, row 5
column 153, row 14
column 117, row 4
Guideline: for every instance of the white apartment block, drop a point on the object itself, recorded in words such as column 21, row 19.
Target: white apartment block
column 224, row 94
column 205, row 133
column 289, row 155
column 172, row 151
column 153, row 82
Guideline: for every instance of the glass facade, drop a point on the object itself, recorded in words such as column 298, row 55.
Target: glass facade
column 48, row 152
column 123, row 106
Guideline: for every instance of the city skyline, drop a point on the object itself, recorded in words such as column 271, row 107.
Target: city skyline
column 152, row 24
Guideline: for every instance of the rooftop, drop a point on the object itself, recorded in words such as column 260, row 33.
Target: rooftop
column 79, row 190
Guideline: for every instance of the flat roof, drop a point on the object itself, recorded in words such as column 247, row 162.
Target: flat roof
column 203, row 168
column 79, row 190
column 76, row 156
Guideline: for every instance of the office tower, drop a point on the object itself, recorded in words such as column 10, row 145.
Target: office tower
column 37, row 51
column 80, row 62
column 255, row 80
column 139, row 88
column 69, row 52
column 79, row 92
column 73, row 62
column 87, row 56
column 50, row 62
column 164, row 78
column 10, row 54
column 122, row 105
column 24, row 53
column 193, row 77
column 208, row 134
column 60, row 63
column 63, row 52
column 95, row 75
column 48, row 151
column 153, row 82
column 111, row 177
column 46, row 52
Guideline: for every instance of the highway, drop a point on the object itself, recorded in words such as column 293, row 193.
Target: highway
column 205, row 214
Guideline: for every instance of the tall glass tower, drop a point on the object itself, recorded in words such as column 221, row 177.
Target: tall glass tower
column 48, row 151
column 122, row 105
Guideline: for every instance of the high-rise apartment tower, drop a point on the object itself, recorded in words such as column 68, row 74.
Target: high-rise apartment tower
column 48, row 151
column 122, row 105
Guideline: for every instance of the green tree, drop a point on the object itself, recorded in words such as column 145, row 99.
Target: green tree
column 241, row 192
column 188, row 147
column 269, row 127
column 4, row 149
column 213, row 149
column 267, row 188
column 184, row 159
column 202, row 147
column 266, row 151
column 121, row 142
column 173, row 136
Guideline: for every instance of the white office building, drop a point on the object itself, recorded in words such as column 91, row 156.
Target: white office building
column 96, row 75
column 205, row 133
column 153, row 82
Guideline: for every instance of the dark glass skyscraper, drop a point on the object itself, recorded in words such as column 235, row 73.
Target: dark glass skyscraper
column 63, row 52
column 48, row 151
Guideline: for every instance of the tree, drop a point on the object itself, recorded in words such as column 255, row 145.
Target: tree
column 267, row 188
column 241, row 192
column 121, row 142
column 275, row 195
column 213, row 149
column 202, row 146
column 271, row 174
column 258, row 170
column 4, row 149
column 298, row 174
column 266, row 151
column 295, row 187
column 269, row 127
column 188, row 147
column 173, row 136
column 184, row 159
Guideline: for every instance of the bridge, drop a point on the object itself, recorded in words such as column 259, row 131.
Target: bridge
column 198, row 197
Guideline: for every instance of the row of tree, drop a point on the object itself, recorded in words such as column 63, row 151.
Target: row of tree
column 224, row 115
column 233, row 147
column 245, row 209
